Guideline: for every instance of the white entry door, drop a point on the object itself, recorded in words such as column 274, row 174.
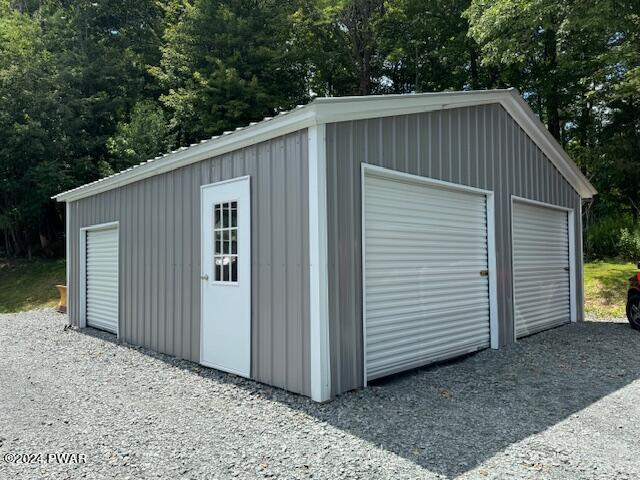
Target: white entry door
column 226, row 276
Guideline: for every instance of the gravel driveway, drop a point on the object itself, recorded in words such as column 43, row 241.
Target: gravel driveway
column 561, row 404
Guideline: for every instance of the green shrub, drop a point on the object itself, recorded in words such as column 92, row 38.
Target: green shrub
column 602, row 239
column 629, row 244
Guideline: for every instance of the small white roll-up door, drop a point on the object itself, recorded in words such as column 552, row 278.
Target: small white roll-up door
column 426, row 289
column 541, row 283
column 102, row 279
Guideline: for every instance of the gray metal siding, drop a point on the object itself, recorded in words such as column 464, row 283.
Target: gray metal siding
column 477, row 146
column 160, row 257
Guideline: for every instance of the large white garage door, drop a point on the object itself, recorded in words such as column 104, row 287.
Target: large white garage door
column 541, row 285
column 102, row 279
column 425, row 274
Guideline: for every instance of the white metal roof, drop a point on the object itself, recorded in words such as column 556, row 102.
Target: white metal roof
column 338, row 109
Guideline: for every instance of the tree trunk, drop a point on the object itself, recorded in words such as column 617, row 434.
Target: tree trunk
column 16, row 245
column 7, row 246
column 473, row 60
column 358, row 18
column 365, row 73
column 553, row 95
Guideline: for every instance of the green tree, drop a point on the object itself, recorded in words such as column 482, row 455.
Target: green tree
column 68, row 71
column 144, row 136
column 322, row 46
column 542, row 47
column 227, row 63
column 31, row 120
column 426, row 47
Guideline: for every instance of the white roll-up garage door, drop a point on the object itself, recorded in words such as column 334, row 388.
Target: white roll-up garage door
column 541, row 283
column 102, row 279
column 426, row 289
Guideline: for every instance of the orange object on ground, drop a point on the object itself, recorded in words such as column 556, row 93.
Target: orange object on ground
column 62, row 303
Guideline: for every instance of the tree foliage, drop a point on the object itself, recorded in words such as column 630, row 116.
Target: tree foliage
column 225, row 64
column 145, row 135
column 89, row 88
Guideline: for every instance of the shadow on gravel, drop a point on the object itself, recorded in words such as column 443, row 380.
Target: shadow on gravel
column 451, row 417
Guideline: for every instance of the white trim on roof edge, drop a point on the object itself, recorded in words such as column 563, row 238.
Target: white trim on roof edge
column 339, row 109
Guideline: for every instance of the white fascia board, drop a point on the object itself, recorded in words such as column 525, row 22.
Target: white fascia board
column 331, row 110
column 341, row 109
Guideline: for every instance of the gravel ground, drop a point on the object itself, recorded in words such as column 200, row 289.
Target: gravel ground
column 561, row 404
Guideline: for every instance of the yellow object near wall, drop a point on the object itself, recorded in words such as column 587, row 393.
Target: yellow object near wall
column 62, row 303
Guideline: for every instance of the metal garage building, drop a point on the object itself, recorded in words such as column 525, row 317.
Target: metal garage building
column 337, row 243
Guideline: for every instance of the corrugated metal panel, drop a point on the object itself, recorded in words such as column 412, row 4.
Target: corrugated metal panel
column 102, row 279
column 425, row 299
column 160, row 257
column 486, row 148
column 540, row 268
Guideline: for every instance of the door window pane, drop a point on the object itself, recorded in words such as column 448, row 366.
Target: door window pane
column 234, row 214
column 225, row 215
column 234, row 241
column 225, row 235
column 225, row 241
column 218, row 237
column 218, row 217
column 234, row 269
column 218, row 267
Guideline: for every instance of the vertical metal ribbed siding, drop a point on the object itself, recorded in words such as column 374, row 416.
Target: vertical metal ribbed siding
column 160, row 256
column 477, row 146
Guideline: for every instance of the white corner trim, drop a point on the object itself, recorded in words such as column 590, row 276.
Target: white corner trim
column 318, row 266
column 571, row 219
column 514, row 336
column 67, row 241
column 82, row 281
column 581, row 264
column 494, row 319
column 340, row 109
column 363, row 263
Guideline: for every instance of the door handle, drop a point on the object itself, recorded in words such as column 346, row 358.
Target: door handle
column 204, row 277
column 484, row 273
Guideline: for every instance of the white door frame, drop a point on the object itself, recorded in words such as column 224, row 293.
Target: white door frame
column 572, row 257
column 491, row 246
column 246, row 285
column 82, row 284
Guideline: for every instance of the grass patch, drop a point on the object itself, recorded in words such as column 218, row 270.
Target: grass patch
column 605, row 287
column 28, row 284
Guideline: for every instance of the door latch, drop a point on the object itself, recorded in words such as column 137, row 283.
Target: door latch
column 484, row 273
column 204, row 277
